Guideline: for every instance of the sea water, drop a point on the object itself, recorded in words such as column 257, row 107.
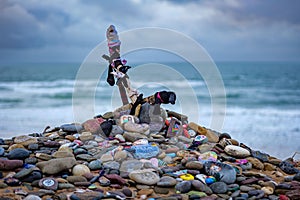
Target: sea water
column 262, row 98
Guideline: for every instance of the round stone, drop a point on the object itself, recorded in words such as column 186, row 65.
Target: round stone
column 18, row 154
column 32, row 197
column 80, row 169
column 219, row 187
column 167, row 181
column 145, row 176
column 184, row 186
column 95, row 165
column 236, row 151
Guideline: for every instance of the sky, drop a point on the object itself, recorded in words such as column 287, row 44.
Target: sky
column 229, row 30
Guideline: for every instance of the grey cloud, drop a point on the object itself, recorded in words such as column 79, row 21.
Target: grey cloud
column 19, row 29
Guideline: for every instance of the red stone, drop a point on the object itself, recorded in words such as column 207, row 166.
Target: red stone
column 10, row 164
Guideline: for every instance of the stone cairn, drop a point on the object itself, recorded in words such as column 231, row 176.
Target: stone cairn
column 118, row 156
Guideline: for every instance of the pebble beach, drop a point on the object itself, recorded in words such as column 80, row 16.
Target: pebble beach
column 118, row 156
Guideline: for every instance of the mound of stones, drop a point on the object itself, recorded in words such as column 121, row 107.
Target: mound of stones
column 150, row 156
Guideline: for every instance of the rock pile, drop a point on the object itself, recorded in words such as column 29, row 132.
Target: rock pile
column 152, row 156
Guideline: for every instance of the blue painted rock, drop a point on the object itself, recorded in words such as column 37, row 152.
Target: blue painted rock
column 221, row 171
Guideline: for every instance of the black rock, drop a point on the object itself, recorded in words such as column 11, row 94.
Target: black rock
column 12, row 181
column 288, row 167
column 35, row 175
column 71, row 128
column 184, row 186
column 18, row 154
column 2, row 141
column 219, row 187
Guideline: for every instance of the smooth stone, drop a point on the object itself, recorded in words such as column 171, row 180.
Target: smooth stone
column 117, row 130
column 131, row 165
column 138, row 128
column 85, row 157
column 249, row 181
column 65, row 148
column 145, row 192
column 245, row 188
column 31, row 160
column 95, row 164
column 51, row 144
column 236, row 151
column 92, row 125
column 87, row 195
column 106, row 158
column 225, row 172
column 10, row 164
column 2, row 151
column 32, row 197
column 48, row 183
column 78, row 151
column 18, row 154
column 104, row 181
column 196, row 194
column 71, row 138
column 120, row 156
column 184, row 139
column 257, row 164
column 23, row 172
column 71, row 128
column 235, row 194
column 167, row 181
column 127, row 192
column 115, row 179
column 145, row 176
column 33, row 147
column 268, row 190
column 194, row 165
column 86, row 136
column 145, row 151
column 80, row 169
column 62, row 154
column 43, row 156
column 73, row 179
column 161, row 190
column 34, row 175
column 132, row 137
column 25, row 140
column 183, row 187
column 219, row 187
column 113, row 165
column 263, row 157
column 199, row 186
column 57, row 165
column 257, row 193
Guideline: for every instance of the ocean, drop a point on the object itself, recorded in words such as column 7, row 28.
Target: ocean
column 262, row 98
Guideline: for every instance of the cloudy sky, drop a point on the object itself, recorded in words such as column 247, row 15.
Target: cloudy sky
column 60, row 30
